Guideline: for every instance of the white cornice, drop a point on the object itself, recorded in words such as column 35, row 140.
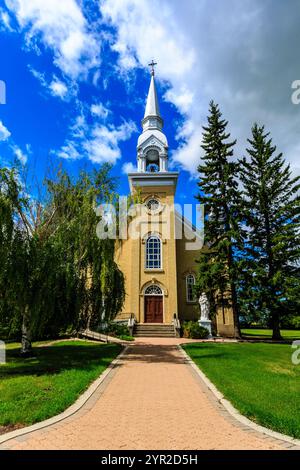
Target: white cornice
column 167, row 178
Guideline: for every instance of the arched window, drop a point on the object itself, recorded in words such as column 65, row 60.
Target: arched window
column 152, row 161
column 190, row 282
column 153, row 252
column 153, row 290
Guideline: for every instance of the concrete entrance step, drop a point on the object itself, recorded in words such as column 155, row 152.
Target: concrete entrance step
column 159, row 330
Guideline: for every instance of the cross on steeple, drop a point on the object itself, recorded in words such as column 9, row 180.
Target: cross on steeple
column 152, row 65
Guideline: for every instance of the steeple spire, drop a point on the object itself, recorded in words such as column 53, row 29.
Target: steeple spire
column 152, row 118
column 152, row 106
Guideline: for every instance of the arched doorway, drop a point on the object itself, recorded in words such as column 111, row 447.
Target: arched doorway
column 154, row 304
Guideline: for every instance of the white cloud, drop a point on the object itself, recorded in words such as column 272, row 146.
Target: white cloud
column 96, row 77
column 142, row 32
column 69, row 151
column 39, row 76
column 189, row 153
column 21, row 156
column 58, row 88
column 63, row 28
column 99, row 110
column 4, row 132
column 182, row 100
column 5, row 135
column 5, row 22
column 99, row 143
column 103, row 146
column 204, row 57
column 55, row 87
column 129, row 168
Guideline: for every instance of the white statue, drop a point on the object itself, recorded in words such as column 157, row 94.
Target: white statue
column 204, row 307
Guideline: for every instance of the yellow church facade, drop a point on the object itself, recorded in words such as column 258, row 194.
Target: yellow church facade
column 158, row 257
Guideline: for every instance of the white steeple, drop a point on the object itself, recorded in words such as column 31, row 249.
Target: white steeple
column 152, row 144
column 152, row 106
column 152, row 118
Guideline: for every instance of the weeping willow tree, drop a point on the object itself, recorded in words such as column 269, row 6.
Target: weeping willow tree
column 101, row 292
column 11, row 246
column 56, row 274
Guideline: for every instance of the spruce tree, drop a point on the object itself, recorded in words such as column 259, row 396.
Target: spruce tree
column 219, row 192
column 272, row 242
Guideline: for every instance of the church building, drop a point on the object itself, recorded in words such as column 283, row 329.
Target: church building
column 159, row 259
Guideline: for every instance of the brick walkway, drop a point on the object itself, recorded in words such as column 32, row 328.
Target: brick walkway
column 152, row 400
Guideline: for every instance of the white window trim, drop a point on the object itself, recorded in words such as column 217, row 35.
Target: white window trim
column 186, row 288
column 153, row 286
column 146, row 268
column 159, row 208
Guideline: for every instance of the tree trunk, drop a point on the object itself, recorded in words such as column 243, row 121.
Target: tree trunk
column 234, row 300
column 26, row 348
column 274, row 311
column 236, row 320
column 276, row 326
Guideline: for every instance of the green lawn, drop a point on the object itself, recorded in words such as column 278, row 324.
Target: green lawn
column 253, row 333
column 34, row 389
column 258, row 379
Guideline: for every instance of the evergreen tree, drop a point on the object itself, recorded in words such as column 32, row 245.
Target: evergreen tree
column 219, row 192
column 272, row 241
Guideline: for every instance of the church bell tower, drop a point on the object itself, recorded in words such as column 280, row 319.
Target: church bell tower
column 152, row 280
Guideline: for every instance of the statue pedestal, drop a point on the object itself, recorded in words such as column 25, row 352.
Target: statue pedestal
column 206, row 324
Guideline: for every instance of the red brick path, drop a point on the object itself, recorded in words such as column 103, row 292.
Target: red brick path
column 152, row 400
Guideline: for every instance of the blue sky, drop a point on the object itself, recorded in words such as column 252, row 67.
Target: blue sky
column 77, row 78
column 46, row 122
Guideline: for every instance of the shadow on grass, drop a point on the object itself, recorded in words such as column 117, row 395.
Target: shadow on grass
column 267, row 339
column 53, row 359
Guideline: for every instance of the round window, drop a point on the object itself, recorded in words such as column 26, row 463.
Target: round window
column 153, row 205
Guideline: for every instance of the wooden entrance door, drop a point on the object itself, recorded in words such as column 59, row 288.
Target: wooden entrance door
column 153, row 309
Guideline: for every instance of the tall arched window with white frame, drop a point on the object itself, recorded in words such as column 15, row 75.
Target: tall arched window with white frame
column 190, row 282
column 153, row 252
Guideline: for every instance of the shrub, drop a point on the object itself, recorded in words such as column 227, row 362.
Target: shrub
column 192, row 329
column 115, row 329
column 291, row 322
column 296, row 322
column 126, row 338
